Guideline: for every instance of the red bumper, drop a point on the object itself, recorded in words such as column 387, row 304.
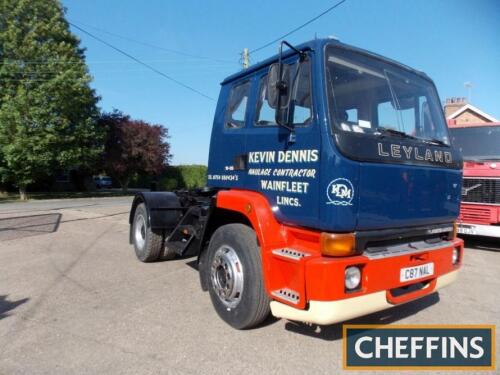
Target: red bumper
column 479, row 214
column 318, row 278
column 325, row 276
column 479, row 220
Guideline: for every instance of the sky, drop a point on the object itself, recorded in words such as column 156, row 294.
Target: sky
column 453, row 41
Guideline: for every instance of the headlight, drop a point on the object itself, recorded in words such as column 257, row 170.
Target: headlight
column 352, row 277
column 455, row 256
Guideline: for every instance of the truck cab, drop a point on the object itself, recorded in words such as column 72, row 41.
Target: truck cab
column 480, row 207
column 333, row 189
column 370, row 147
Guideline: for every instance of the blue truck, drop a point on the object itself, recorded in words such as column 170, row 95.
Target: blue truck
column 332, row 191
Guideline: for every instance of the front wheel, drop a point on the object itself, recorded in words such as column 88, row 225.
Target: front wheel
column 236, row 285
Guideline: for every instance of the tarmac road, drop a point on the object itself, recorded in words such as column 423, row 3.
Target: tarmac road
column 74, row 300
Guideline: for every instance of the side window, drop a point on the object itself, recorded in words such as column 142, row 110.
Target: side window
column 237, row 105
column 302, row 100
column 265, row 114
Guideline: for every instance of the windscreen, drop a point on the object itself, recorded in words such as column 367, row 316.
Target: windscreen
column 376, row 98
column 477, row 143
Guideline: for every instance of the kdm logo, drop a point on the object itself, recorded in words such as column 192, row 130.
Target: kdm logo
column 340, row 192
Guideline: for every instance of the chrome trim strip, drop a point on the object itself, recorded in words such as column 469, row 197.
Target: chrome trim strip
column 406, row 249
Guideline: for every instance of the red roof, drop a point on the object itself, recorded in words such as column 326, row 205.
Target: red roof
column 453, row 124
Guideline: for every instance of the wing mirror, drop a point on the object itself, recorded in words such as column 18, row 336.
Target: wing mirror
column 278, row 92
column 279, row 87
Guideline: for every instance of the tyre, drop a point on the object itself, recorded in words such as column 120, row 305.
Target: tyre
column 236, row 285
column 167, row 253
column 148, row 243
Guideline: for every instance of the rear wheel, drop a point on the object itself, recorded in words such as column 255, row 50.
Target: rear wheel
column 149, row 244
column 236, row 285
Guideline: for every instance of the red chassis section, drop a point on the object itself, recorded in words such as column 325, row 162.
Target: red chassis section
column 476, row 213
column 321, row 278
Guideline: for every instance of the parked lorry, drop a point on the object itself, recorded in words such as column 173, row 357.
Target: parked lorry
column 480, row 208
column 332, row 191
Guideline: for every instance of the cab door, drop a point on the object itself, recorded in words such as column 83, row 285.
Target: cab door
column 286, row 170
column 227, row 145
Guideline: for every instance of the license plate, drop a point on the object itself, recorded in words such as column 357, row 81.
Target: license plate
column 417, row 272
column 465, row 229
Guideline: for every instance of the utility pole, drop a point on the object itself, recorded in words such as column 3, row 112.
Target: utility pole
column 245, row 58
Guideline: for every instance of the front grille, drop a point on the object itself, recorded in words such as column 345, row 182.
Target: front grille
column 481, row 190
column 475, row 214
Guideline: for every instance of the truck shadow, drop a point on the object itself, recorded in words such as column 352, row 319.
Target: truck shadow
column 482, row 243
column 334, row 332
column 6, row 306
column 12, row 228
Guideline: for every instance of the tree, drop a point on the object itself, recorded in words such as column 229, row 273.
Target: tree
column 132, row 147
column 48, row 111
column 184, row 177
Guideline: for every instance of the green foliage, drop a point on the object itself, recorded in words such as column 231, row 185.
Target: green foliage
column 183, row 177
column 48, row 111
column 169, row 184
column 194, row 176
column 140, row 181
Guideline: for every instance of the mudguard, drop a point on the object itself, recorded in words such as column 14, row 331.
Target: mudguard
column 164, row 209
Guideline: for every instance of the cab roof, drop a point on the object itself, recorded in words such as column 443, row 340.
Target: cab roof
column 315, row 44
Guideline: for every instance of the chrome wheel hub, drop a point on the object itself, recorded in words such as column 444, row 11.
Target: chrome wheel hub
column 226, row 274
column 140, row 232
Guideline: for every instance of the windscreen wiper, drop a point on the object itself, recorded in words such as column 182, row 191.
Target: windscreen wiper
column 398, row 133
column 386, row 131
column 435, row 141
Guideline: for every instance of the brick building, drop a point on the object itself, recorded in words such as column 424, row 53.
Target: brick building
column 460, row 113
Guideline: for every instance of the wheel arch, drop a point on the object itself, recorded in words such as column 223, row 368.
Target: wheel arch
column 164, row 209
column 244, row 207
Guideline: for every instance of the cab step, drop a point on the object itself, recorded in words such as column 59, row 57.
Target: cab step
column 288, row 295
column 290, row 254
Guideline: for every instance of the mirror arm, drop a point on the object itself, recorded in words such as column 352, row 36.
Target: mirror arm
column 287, row 127
column 282, row 86
column 280, row 81
column 301, row 54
